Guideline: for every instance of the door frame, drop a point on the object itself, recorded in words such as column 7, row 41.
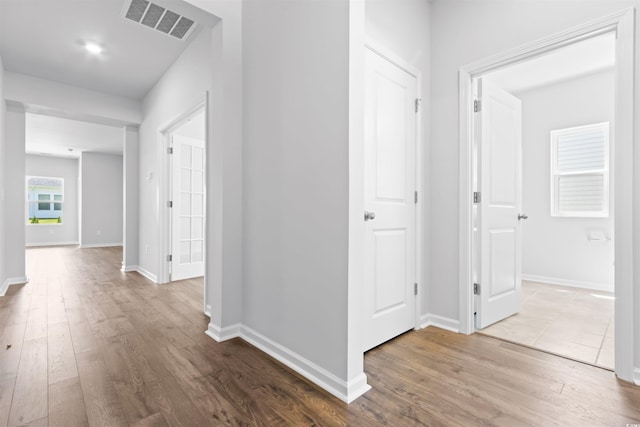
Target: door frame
column 164, row 187
column 626, row 197
column 415, row 72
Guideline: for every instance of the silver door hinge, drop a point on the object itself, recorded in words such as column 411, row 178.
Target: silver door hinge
column 477, row 105
column 169, row 258
column 415, row 289
column 477, row 196
column 170, row 150
column 476, row 289
column 418, row 101
column 415, row 197
column 169, row 204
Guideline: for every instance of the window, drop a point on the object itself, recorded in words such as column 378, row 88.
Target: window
column 45, row 199
column 580, row 171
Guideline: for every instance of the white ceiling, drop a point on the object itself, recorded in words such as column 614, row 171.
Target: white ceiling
column 54, row 136
column 45, row 38
column 577, row 59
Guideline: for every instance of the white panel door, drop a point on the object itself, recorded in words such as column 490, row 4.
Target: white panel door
column 187, row 222
column 500, row 182
column 390, row 182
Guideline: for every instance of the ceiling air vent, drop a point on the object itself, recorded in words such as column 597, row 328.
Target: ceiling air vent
column 158, row 18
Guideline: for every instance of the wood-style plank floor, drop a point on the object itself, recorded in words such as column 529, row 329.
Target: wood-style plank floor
column 84, row 344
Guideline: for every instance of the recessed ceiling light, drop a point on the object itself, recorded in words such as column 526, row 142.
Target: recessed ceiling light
column 93, row 48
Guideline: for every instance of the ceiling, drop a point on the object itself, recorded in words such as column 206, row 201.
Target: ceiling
column 586, row 57
column 45, row 38
column 54, row 136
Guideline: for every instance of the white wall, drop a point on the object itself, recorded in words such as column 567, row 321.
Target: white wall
column 101, row 198
column 57, row 99
column 3, row 275
column 403, row 28
column 131, row 190
column 178, row 91
column 223, row 290
column 295, row 180
column 14, row 205
column 67, row 232
column 556, row 250
column 464, row 32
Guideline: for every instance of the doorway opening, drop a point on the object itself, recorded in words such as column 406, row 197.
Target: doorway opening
column 566, row 299
column 620, row 24
column 184, row 187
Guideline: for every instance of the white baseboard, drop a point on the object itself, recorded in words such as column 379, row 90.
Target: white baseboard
column 223, row 334
column 442, row 322
column 636, row 376
column 207, row 310
column 129, row 268
column 70, row 243
column 12, row 281
column 305, row 367
column 146, row 273
column 602, row 287
column 99, row 245
column 343, row 390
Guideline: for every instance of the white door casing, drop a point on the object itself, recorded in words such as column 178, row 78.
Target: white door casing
column 390, row 182
column 499, row 132
column 187, row 214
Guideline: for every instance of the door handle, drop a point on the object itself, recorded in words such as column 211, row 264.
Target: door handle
column 522, row 216
column 368, row 216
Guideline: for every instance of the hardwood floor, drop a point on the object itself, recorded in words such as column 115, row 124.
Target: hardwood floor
column 84, row 344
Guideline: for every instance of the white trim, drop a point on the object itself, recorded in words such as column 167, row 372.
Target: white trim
column 207, row 310
column 70, row 243
column 603, row 287
column 626, row 155
column 306, row 368
column 636, row 376
column 440, row 322
column 222, row 334
column 343, row 390
column 390, row 56
column 130, row 268
column 146, row 273
column 99, row 245
column 12, row 281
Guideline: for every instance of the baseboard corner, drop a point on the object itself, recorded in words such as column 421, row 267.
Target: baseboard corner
column 146, row 273
column 321, row 377
column 441, row 322
column 636, row 376
column 12, row 281
column 223, row 334
column 129, row 268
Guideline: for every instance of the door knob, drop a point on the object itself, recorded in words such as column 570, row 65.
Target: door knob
column 522, row 216
column 368, row 216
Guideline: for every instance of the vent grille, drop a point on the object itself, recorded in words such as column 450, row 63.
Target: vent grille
column 158, row 18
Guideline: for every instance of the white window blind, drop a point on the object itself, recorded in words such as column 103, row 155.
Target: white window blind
column 580, row 171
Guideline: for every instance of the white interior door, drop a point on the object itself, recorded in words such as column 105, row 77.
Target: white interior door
column 390, row 183
column 187, row 214
column 498, row 126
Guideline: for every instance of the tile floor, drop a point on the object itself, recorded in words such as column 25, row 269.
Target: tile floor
column 572, row 322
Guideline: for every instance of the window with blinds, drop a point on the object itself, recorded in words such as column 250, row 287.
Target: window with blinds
column 580, row 171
